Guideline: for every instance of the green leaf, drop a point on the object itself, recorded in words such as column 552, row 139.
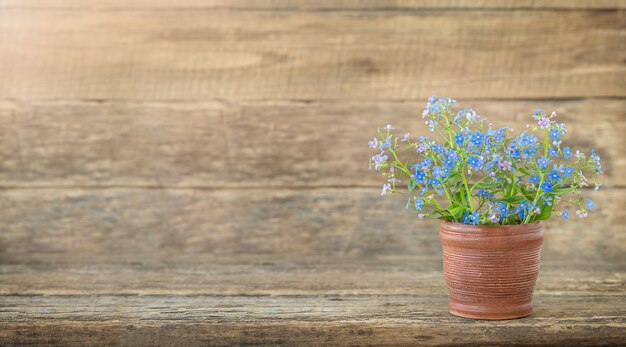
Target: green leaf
column 485, row 185
column 411, row 185
column 457, row 212
column 445, row 215
column 453, row 176
column 523, row 171
column 562, row 191
column 513, row 199
column 546, row 211
column 457, row 198
column 528, row 195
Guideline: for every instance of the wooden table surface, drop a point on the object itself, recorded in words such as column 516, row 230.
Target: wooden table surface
column 194, row 172
column 357, row 280
column 400, row 300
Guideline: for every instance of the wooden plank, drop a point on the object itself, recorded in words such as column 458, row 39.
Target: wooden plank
column 271, row 275
column 325, row 5
column 249, row 144
column 98, row 226
column 225, row 320
column 200, row 55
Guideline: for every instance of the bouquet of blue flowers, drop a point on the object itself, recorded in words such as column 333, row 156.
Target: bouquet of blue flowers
column 486, row 176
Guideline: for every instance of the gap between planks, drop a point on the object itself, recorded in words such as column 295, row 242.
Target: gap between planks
column 287, row 101
column 220, row 187
column 314, row 6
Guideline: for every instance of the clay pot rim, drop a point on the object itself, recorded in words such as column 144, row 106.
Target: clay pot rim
column 512, row 229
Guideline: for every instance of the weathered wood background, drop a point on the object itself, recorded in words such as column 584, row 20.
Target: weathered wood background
column 195, row 172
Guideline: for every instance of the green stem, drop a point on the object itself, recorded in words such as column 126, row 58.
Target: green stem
column 401, row 164
column 474, row 185
column 438, row 205
column 449, row 132
column 467, row 190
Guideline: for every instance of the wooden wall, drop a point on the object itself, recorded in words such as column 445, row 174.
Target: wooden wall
column 143, row 138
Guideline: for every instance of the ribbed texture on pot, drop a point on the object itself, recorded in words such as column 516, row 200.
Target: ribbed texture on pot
column 491, row 270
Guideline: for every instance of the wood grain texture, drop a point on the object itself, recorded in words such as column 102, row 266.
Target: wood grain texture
column 287, row 275
column 195, row 172
column 249, row 144
column 238, row 55
column 320, row 5
column 138, row 223
column 371, row 320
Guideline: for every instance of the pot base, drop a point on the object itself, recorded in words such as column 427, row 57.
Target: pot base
column 481, row 312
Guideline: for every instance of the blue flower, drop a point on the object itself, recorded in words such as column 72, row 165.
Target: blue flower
column 440, row 172
column 553, row 152
column 554, row 176
column 567, row 171
column 475, row 162
column 439, row 148
column 547, row 186
column 477, row 139
column 446, row 102
column 453, row 156
column 515, row 153
column 543, row 162
column 490, row 165
column 432, row 125
column 534, row 179
column 590, row 204
column 526, row 139
column 419, row 176
column 419, row 204
column 449, row 163
column 522, row 209
column 595, row 159
column 373, row 143
column 483, row 193
column 538, row 111
column 567, row 153
column 386, row 187
column 379, row 160
column 435, row 183
column 565, row 214
column 467, row 114
column 425, row 164
column 459, row 139
column 471, row 218
column 501, row 207
column 385, row 144
column 529, row 152
column 555, row 133
column 499, row 135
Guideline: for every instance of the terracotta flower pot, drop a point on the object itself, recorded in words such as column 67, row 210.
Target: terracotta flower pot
column 491, row 270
